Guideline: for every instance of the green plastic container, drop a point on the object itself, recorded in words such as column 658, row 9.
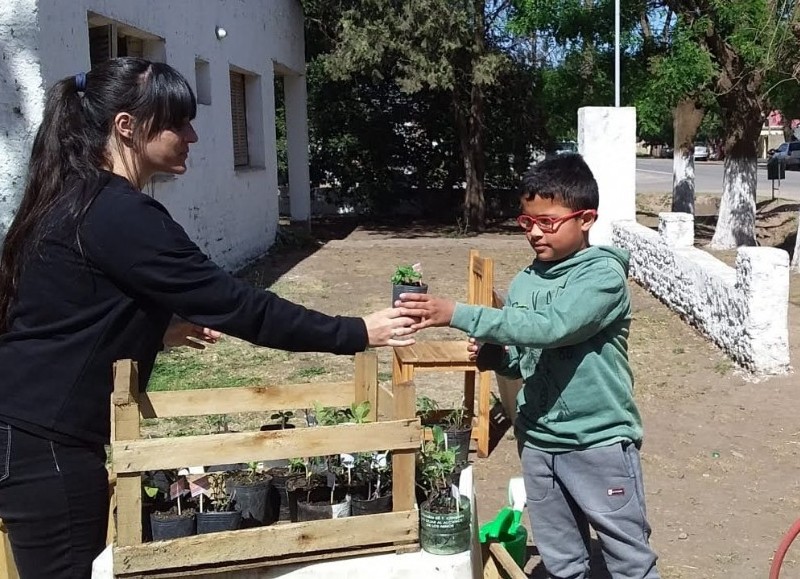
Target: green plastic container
column 506, row 530
column 515, row 545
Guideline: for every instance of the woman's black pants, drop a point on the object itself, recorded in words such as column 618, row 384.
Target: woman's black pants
column 54, row 503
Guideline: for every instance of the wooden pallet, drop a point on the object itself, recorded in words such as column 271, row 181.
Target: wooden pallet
column 277, row 544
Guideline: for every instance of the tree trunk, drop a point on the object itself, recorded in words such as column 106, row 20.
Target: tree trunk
column 737, row 213
column 686, row 120
column 470, row 123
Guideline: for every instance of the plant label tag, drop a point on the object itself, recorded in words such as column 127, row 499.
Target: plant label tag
column 331, row 479
column 348, row 460
column 177, row 488
column 456, row 494
column 379, row 460
column 199, row 485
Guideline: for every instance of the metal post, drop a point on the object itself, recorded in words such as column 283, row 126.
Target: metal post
column 616, row 54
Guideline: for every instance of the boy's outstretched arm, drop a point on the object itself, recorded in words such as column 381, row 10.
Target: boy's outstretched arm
column 572, row 317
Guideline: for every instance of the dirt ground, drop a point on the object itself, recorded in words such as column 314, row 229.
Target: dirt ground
column 721, row 449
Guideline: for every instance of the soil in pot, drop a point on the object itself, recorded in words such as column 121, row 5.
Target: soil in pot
column 443, row 532
column 171, row 525
column 250, row 497
column 215, row 521
column 360, row 505
column 315, row 505
column 407, row 289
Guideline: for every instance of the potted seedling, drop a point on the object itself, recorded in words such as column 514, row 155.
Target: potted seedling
column 373, row 471
column 407, row 279
column 445, row 514
column 216, row 510
column 456, row 425
column 179, row 520
column 281, row 421
column 251, row 489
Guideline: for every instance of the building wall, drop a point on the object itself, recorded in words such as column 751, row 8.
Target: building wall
column 231, row 213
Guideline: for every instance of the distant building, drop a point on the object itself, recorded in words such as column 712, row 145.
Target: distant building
column 230, row 50
column 772, row 134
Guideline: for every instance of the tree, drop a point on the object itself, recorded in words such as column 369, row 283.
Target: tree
column 749, row 42
column 425, row 45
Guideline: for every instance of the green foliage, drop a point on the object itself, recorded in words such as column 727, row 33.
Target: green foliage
column 407, row 275
column 426, row 406
column 436, row 464
column 282, row 417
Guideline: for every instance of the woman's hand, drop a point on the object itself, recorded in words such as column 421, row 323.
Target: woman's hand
column 433, row 311
column 183, row 333
column 390, row 327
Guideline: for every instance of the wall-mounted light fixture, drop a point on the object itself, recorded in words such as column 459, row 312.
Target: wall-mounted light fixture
column 220, row 32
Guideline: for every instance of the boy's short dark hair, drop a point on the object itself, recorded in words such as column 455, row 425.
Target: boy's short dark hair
column 565, row 178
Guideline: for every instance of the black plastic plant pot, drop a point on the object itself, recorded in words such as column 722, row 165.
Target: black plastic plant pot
column 460, row 437
column 213, row 522
column 445, row 533
column 172, row 526
column 362, row 506
column 316, row 505
column 407, row 289
column 251, row 500
column 278, row 495
column 297, row 487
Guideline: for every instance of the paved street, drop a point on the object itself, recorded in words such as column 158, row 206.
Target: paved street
column 655, row 176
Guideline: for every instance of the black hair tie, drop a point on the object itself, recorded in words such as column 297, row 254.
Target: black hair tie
column 80, row 81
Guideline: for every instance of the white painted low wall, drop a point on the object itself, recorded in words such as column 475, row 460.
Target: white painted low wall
column 744, row 310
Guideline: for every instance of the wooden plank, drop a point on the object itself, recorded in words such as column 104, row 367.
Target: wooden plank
column 202, row 402
column 161, row 453
column 261, row 542
column 8, row 568
column 505, row 562
column 128, row 489
column 274, row 562
column 386, row 402
column 435, row 352
column 366, row 382
column 404, row 461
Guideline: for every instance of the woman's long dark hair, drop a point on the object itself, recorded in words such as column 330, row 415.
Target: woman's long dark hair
column 71, row 148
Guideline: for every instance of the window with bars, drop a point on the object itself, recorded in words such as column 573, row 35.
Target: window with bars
column 241, row 153
column 106, row 42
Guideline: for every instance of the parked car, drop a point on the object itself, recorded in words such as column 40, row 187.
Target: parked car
column 666, row 151
column 566, row 147
column 789, row 153
column 700, row 152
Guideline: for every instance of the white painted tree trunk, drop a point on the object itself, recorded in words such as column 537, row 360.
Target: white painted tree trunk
column 737, row 213
column 683, row 181
column 796, row 255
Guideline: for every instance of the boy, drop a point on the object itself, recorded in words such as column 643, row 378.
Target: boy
column 565, row 330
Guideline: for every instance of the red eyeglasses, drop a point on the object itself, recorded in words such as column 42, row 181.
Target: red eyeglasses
column 550, row 224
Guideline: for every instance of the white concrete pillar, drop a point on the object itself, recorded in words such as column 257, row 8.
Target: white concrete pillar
column 295, row 97
column 762, row 273
column 607, row 140
column 677, row 229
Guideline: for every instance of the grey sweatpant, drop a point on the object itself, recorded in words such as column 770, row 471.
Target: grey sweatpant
column 601, row 487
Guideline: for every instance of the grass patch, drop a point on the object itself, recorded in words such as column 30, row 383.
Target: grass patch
column 304, row 374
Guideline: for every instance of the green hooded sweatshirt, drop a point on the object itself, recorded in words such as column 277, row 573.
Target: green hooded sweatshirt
column 566, row 324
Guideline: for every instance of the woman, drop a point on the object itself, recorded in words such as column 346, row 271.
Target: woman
column 92, row 271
